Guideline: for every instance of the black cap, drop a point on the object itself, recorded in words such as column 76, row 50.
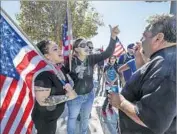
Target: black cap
column 130, row 46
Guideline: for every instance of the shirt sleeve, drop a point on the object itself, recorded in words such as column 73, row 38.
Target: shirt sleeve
column 121, row 59
column 158, row 108
column 43, row 80
column 95, row 58
column 132, row 87
column 132, row 65
column 49, row 80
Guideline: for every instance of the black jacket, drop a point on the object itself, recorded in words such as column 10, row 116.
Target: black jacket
column 84, row 85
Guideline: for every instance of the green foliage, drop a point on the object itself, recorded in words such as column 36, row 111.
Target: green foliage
column 43, row 19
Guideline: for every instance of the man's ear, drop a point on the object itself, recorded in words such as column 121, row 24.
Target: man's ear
column 158, row 41
column 160, row 37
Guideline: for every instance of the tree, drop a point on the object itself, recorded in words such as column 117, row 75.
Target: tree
column 172, row 6
column 43, row 20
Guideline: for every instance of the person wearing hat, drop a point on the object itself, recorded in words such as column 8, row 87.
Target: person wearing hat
column 127, row 63
column 82, row 75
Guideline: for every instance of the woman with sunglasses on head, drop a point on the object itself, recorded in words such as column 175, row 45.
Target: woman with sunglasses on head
column 50, row 91
column 82, row 74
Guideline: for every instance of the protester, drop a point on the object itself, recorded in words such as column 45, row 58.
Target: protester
column 90, row 46
column 148, row 100
column 82, row 74
column 130, row 65
column 124, row 58
column 50, row 93
column 111, row 77
column 100, row 67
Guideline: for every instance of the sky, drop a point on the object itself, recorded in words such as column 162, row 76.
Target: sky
column 130, row 16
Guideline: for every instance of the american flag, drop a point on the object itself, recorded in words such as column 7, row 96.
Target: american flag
column 19, row 65
column 119, row 49
column 65, row 39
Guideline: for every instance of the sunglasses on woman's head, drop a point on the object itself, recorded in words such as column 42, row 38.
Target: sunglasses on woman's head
column 83, row 44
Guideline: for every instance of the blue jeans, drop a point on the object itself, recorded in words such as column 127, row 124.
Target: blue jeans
column 83, row 105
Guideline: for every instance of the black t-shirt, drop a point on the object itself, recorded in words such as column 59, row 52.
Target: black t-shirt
column 152, row 89
column 82, row 71
column 48, row 79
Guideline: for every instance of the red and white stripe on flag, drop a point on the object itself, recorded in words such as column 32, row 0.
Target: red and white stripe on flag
column 119, row 49
column 20, row 64
column 66, row 47
column 66, row 39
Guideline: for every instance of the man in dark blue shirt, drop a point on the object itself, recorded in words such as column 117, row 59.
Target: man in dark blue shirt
column 148, row 100
column 124, row 61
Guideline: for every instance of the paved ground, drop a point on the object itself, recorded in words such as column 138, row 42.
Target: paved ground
column 97, row 124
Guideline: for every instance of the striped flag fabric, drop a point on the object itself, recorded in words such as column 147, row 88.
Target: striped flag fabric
column 119, row 49
column 65, row 39
column 19, row 65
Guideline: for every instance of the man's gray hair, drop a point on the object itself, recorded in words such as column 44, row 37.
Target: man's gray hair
column 165, row 24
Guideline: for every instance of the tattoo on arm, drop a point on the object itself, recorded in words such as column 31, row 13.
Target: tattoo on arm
column 55, row 99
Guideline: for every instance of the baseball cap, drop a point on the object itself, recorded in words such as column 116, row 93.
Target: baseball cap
column 130, row 46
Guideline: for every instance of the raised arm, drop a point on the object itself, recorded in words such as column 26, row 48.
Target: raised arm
column 110, row 49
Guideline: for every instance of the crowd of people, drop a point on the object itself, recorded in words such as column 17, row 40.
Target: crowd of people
column 146, row 74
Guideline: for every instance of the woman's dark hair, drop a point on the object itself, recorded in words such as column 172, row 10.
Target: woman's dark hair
column 76, row 43
column 114, row 58
column 43, row 46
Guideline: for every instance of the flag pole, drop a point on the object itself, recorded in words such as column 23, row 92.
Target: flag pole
column 70, row 34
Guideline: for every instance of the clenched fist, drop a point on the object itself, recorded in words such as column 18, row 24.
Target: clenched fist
column 70, row 93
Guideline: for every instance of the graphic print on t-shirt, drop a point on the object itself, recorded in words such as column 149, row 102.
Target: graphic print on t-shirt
column 111, row 73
